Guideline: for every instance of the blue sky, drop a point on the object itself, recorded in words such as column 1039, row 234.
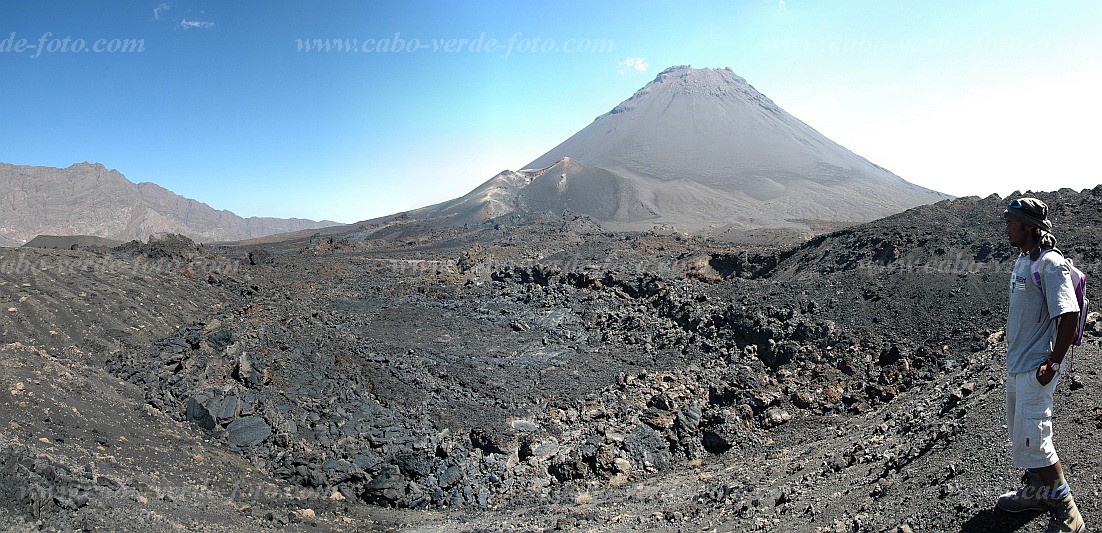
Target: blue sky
column 220, row 104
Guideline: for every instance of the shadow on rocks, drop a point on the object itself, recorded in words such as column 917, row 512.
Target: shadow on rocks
column 994, row 520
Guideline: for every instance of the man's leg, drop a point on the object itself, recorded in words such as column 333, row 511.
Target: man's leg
column 1065, row 514
column 1056, row 493
column 1052, row 476
column 1029, row 496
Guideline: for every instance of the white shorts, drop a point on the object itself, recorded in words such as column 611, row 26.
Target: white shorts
column 1029, row 419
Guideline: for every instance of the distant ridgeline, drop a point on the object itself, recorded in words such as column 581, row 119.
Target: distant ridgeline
column 88, row 199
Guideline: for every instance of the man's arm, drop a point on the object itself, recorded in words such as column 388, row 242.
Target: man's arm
column 1065, row 335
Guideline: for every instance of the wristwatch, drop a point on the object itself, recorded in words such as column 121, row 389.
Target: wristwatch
column 1053, row 364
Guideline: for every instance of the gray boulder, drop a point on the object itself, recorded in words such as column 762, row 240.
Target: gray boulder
column 247, row 431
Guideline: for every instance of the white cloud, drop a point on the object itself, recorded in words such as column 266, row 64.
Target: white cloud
column 190, row 24
column 158, row 10
column 636, row 63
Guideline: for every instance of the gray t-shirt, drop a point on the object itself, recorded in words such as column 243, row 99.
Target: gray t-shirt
column 1030, row 328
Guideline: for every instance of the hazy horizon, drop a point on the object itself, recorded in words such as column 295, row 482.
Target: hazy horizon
column 241, row 108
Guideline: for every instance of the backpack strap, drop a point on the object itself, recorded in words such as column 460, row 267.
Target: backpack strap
column 1035, row 267
column 1035, row 275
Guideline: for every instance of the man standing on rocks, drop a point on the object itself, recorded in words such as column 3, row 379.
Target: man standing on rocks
column 1039, row 330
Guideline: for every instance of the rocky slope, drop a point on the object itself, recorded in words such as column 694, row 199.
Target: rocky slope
column 545, row 376
column 963, row 236
column 88, row 199
column 70, row 242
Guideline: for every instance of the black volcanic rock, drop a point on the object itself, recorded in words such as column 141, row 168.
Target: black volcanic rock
column 247, row 431
column 853, row 383
column 199, row 415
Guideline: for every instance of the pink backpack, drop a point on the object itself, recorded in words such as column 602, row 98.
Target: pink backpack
column 1079, row 280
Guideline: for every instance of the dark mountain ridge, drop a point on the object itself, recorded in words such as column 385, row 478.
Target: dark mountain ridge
column 89, row 199
column 960, row 235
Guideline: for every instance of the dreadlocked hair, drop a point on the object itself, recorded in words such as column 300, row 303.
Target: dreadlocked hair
column 1044, row 240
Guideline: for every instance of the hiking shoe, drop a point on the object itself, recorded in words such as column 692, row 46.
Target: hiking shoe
column 1065, row 516
column 1028, row 498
